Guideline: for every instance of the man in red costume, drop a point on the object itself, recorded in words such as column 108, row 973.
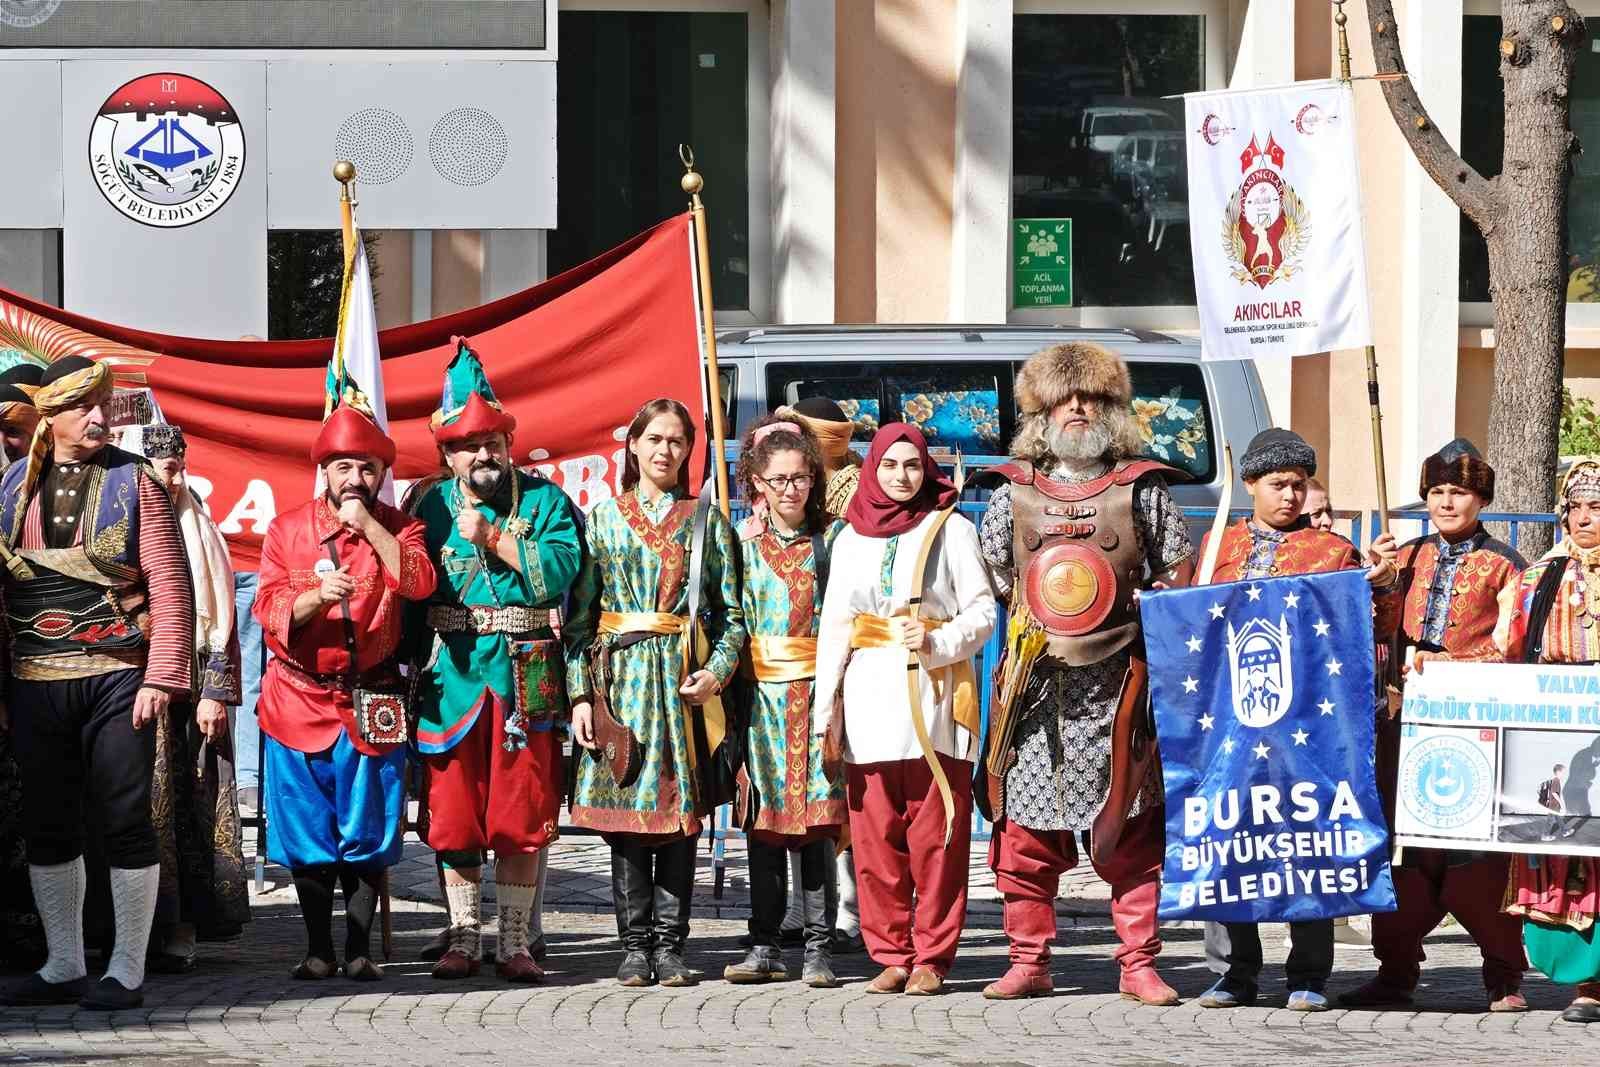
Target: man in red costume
column 335, row 573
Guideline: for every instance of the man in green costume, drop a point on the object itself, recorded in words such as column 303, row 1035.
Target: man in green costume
column 493, row 695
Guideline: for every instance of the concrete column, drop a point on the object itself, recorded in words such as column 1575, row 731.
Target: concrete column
column 855, row 271
column 979, row 265
column 30, row 263
column 1265, row 32
column 803, row 142
column 457, row 270
column 512, row 261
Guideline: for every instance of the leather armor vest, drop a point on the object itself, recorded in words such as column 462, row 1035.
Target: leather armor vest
column 1078, row 559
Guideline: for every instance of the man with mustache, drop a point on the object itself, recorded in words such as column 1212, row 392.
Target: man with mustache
column 1073, row 532
column 18, row 416
column 336, row 574
column 100, row 621
column 493, row 699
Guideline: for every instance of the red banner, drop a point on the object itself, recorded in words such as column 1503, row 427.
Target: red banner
column 572, row 359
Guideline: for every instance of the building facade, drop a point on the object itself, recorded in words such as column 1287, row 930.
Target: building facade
column 865, row 161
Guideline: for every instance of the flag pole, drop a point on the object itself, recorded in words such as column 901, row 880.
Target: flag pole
column 692, row 183
column 344, row 172
column 1339, row 21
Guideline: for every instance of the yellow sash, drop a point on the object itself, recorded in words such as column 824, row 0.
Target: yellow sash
column 782, row 659
column 659, row 622
column 877, row 631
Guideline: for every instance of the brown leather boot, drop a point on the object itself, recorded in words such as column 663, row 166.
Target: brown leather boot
column 891, row 980
column 924, row 982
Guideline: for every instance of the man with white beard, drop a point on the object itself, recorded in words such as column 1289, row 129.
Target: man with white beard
column 1079, row 526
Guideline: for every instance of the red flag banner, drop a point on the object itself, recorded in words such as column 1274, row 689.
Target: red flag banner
column 572, row 358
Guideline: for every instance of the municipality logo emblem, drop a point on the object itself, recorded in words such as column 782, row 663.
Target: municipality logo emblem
column 1445, row 780
column 1261, row 666
column 1266, row 226
column 167, row 150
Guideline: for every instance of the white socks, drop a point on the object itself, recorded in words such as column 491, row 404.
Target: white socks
column 466, row 927
column 536, row 922
column 849, row 920
column 58, row 894
column 515, row 906
column 133, row 899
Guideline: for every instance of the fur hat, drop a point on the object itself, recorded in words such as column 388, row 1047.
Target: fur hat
column 1055, row 373
column 1276, row 450
column 1458, row 463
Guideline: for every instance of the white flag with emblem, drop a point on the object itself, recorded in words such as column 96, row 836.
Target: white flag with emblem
column 1280, row 265
column 356, row 364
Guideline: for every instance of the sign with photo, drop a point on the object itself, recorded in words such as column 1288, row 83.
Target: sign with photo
column 1500, row 757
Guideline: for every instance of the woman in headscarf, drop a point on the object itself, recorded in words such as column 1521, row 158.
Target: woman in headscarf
column 1553, row 619
column 908, row 606
column 788, row 801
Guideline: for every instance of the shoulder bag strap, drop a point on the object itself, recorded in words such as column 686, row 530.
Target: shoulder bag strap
column 697, row 561
column 1544, row 599
column 821, row 562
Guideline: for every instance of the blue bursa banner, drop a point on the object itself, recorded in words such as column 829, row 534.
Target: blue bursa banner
column 1264, row 695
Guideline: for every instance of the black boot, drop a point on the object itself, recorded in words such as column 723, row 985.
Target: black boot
column 631, row 891
column 362, row 888
column 819, row 889
column 674, row 893
column 314, row 887
column 768, row 888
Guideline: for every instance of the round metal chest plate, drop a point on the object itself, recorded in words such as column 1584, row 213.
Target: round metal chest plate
column 1071, row 588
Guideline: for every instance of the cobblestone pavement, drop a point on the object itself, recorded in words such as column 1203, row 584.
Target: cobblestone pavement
column 239, row 1007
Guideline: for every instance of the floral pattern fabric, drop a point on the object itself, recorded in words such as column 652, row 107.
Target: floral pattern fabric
column 631, row 542
column 783, row 759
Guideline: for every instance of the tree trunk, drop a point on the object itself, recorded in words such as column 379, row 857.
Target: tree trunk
column 1522, row 214
column 1528, row 266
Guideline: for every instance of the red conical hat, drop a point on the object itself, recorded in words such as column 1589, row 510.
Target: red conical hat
column 477, row 416
column 347, row 432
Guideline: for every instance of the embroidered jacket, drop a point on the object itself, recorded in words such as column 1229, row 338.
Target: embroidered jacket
column 1251, row 551
column 1454, row 593
column 305, row 701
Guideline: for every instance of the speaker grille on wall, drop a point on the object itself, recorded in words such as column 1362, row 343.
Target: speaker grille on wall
column 378, row 142
column 468, row 146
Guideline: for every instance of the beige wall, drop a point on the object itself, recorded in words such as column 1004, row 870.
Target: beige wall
column 895, row 159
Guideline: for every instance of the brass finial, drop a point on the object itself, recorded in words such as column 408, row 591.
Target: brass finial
column 344, row 172
column 691, row 182
column 1339, row 20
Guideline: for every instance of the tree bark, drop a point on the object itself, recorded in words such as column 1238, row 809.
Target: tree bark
column 1522, row 214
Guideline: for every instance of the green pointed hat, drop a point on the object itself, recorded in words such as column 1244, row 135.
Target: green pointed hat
column 467, row 406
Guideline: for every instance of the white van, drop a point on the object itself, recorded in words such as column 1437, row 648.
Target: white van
column 955, row 383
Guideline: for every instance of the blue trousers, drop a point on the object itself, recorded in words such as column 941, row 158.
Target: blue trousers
column 334, row 806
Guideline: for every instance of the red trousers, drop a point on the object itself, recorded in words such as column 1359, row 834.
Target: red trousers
column 479, row 796
column 1028, row 865
column 911, row 887
column 1425, row 889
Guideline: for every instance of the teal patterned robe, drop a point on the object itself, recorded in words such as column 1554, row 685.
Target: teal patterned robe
column 783, row 760
column 640, row 552
column 472, row 673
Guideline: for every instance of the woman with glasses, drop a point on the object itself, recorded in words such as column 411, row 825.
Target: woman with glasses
column 787, row 799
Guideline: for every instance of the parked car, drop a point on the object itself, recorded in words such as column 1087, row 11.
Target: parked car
column 955, row 383
column 1151, row 164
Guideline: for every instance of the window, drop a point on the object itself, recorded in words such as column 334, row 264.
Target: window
column 630, row 86
column 1095, row 141
column 1169, row 403
column 957, row 406
column 1482, row 145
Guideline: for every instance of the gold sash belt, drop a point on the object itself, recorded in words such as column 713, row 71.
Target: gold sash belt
column 782, row 659
column 660, row 622
column 878, row 631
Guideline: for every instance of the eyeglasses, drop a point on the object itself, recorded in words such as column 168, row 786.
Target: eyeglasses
column 782, row 483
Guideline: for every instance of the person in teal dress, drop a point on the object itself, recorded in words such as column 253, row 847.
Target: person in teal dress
column 639, row 610
column 492, row 699
column 788, row 801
